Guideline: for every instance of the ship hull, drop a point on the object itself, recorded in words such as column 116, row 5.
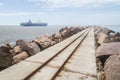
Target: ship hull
column 22, row 24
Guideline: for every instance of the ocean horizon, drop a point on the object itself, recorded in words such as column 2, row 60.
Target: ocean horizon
column 11, row 33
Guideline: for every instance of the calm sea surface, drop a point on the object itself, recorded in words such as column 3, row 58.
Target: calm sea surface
column 13, row 33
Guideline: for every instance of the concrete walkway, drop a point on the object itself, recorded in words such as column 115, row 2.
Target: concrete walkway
column 71, row 59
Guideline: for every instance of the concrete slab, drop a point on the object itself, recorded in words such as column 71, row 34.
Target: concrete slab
column 83, row 61
column 57, row 62
column 18, row 71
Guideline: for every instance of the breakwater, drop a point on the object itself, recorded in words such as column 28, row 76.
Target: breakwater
column 107, row 49
column 107, row 53
column 24, row 49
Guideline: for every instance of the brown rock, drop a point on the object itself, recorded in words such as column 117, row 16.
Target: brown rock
column 65, row 32
column 115, row 37
column 44, row 42
column 102, row 38
column 25, row 47
column 20, row 57
column 56, row 37
column 5, row 57
column 101, row 75
column 7, row 45
column 75, row 30
column 35, row 47
column 112, row 68
column 105, row 30
column 108, row 49
column 17, row 49
column 97, row 30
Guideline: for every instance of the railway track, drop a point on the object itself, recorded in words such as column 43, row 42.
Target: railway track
column 54, row 62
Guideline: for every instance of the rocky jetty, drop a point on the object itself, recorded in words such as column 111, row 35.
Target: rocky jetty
column 107, row 53
column 12, row 54
column 107, row 44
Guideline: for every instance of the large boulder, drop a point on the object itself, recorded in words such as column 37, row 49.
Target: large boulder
column 108, row 49
column 102, row 38
column 74, row 30
column 20, row 57
column 5, row 57
column 97, row 30
column 112, row 68
column 25, row 47
column 57, row 37
column 105, row 30
column 44, row 42
column 65, row 32
column 15, row 50
column 35, row 47
column 115, row 37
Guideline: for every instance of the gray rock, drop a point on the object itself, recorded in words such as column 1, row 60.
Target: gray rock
column 35, row 47
column 5, row 57
column 25, row 47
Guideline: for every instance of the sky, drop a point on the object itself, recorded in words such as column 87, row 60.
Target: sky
column 60, row 12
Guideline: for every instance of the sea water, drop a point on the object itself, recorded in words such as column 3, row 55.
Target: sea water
column 115, row 28
column 13, row 33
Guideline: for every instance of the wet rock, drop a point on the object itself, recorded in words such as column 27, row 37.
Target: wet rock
column 5, row 57
column 112, row 68
column 25, row 47
column 20, row 57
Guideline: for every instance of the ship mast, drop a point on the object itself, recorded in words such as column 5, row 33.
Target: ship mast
column 30, row 21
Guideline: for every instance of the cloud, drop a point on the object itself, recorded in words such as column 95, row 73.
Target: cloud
column 20, row 13
column 75, row 3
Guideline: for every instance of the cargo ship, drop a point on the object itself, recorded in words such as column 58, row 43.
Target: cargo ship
column 30, row 23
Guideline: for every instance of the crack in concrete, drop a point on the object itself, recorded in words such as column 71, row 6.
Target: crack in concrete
column 42, row 63
column 33, row 61
column 91, row 75
column 53, row 66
